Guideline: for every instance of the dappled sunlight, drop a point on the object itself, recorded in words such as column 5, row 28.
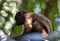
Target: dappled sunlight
column 8, row 27
column 3, row 13
column 2, row 20
column 6, row 8
column 12, row 20
column 7, row 14
column 57, row 20
column 57, row 17
column 0, row 0
column 37, row 8
column 58, row 28
column 13, row 7
column 2, row 35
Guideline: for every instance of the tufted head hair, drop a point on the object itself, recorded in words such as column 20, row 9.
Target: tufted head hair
column 19, row 17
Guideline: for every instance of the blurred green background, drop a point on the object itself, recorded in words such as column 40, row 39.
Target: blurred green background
column 8, row 9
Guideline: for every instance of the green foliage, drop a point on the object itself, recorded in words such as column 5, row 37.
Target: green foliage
column 28, row 5
column 1, row 4
column 17, row 30
column 10, row 8
column 52, row 17
column 7, row 11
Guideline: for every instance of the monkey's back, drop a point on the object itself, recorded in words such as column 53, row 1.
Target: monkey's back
column 44, row 21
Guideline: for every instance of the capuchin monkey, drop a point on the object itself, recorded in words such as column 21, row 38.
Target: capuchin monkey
column 33, row 22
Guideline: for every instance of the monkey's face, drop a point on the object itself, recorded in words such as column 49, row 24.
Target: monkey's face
column 19, row 18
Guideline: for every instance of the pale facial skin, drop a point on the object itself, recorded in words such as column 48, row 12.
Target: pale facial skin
column 28, row 23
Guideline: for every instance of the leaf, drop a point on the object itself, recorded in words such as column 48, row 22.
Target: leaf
column 17, row 31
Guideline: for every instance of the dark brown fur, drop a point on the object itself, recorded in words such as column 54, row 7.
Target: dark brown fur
column 32, row 21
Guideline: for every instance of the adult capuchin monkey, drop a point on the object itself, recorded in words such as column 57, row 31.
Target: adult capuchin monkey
column 33, row 22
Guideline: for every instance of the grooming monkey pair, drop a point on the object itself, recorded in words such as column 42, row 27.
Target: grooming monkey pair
column 33, row 22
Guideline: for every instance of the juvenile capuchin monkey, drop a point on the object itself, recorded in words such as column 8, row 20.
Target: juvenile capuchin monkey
column 33, row 22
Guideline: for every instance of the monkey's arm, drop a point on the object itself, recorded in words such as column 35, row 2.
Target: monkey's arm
column 40, row 28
